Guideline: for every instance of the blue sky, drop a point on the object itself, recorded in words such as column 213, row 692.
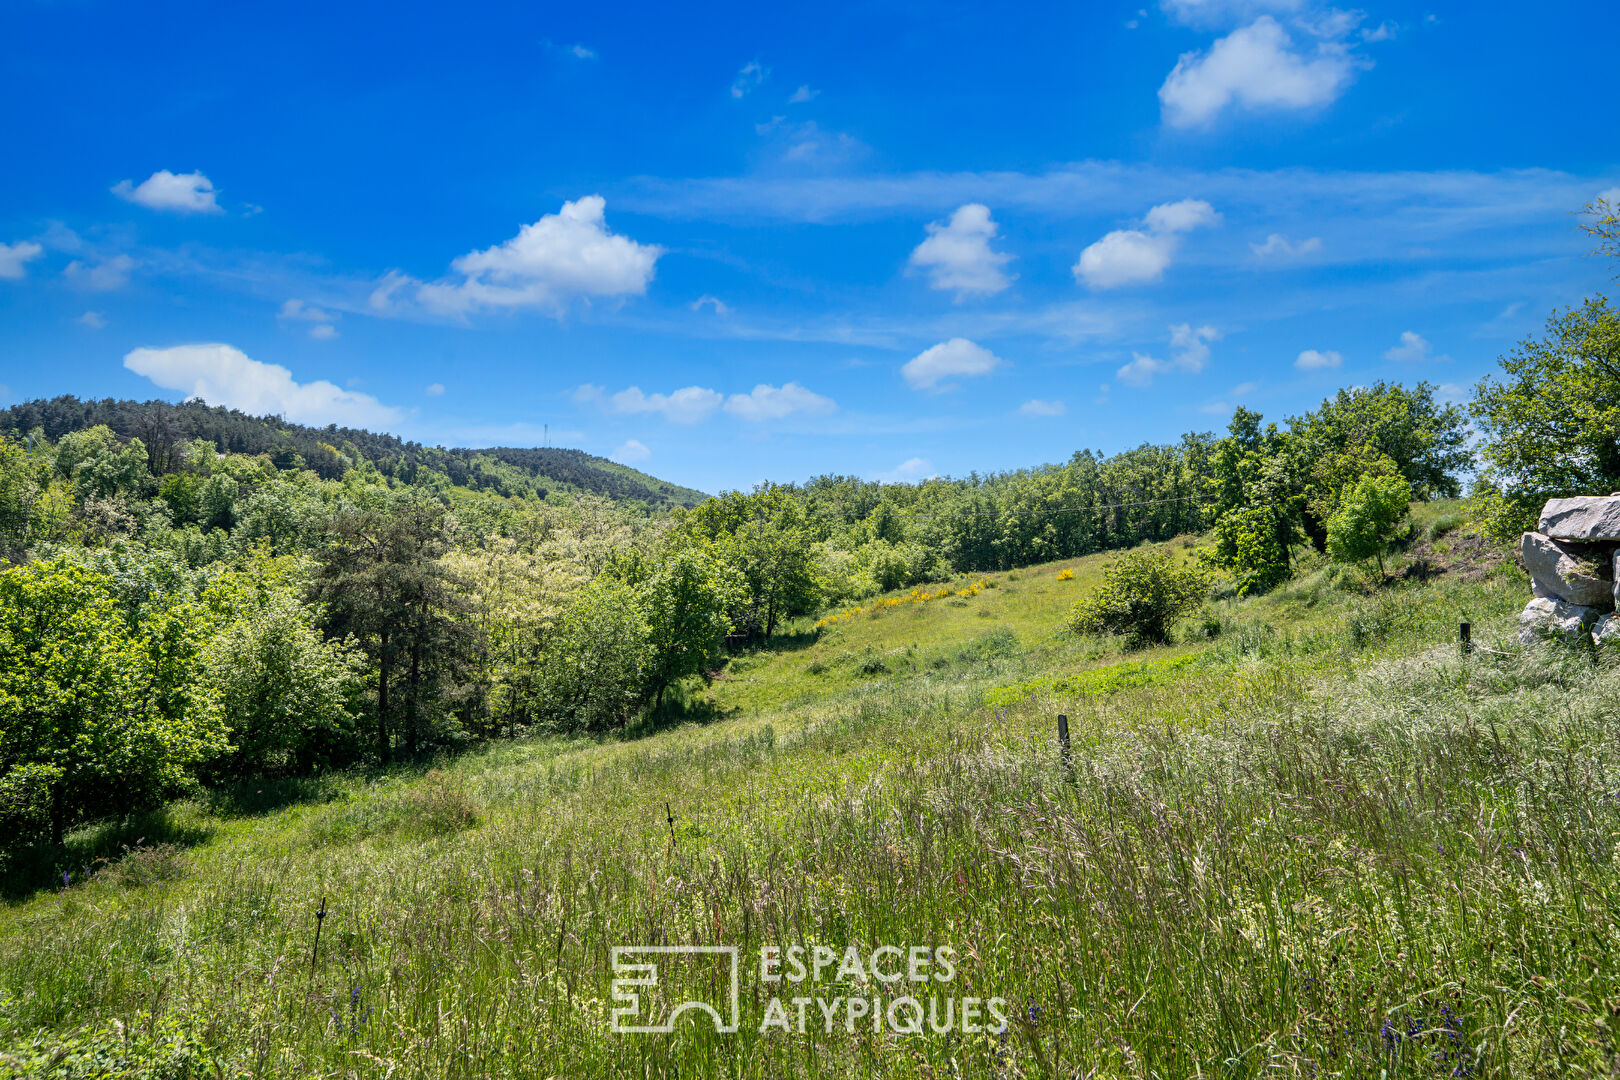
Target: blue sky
column 765, row 241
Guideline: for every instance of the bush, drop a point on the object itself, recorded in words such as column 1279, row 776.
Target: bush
column 994, row 644
column 1141, row 597
column 1444, row 524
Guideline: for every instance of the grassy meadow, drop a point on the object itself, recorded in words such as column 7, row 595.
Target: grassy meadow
column 1309, row 838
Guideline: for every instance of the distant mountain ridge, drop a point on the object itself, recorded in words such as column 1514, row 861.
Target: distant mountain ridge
column 526, row 471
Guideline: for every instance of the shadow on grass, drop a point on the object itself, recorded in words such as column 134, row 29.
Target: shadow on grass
column 782, row 642
column 37, row 867
column 682, row 705
column 255, row 798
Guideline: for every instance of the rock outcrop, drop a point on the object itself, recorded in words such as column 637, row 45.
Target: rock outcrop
column 1607, row 630
column 1556, row 619
column 1574, row 562
column 1595, row 517
column 1574, row 573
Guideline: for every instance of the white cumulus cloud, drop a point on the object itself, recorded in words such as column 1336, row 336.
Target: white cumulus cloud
column 1413, row 348
column 633, row 451
column 688, row 405
column 12, row 257
column 1278, row 246
column 1318, row 360
column 948, row 359
column 562, row 256
column 223, row 375
column 180, row 193
column 803, row 94
column 767, row 402
column 1137, row 256
column 434, row 389
column 1255, row 67
column 957, row 254
column 1037, row 407
column 95, row 320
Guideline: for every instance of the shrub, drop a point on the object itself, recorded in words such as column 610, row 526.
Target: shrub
column 872, row 664
column 1444, row 524
column 1065, row 575
column 1142, row 595
column 993, row 644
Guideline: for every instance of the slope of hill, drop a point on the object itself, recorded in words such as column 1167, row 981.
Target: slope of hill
column 533, row 471
column 1311, row 837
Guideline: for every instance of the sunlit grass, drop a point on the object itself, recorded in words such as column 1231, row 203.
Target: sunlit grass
column 1310, row 838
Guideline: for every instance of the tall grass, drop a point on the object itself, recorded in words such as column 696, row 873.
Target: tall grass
column 1315, row 851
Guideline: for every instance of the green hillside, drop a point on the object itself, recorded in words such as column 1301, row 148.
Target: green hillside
column 1309, row 836
column 511, row 471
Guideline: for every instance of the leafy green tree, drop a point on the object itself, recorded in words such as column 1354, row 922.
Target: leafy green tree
column 1426, row 441
column 78, row 446
column 182, row 494
column 1142, row 595
column 114, row 472
column 1256, row 502
column 216, row 502
column 1551, row 424
column 684, row 601
column 24, row 480
column 1368, row 519
column 1603, row 225
column 96, row 716
column 287, row 695
column 1335, row 470
column 1247, row 543
column 768, row 539
column 596, row 659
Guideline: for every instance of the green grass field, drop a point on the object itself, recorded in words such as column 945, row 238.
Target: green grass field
column 1308, row 838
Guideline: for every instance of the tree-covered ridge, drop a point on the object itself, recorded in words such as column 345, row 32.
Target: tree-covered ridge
column 532, row 472
column 277, row 613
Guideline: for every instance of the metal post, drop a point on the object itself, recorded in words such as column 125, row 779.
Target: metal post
column 1464, row 633
column 320, row 917
column 1063, row 741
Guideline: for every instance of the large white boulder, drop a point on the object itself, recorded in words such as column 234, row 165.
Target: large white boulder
column 1556, row 619
column 1585, row 517
column 1566, row 572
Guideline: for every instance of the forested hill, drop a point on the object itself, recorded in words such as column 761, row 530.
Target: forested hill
column 531, row 471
